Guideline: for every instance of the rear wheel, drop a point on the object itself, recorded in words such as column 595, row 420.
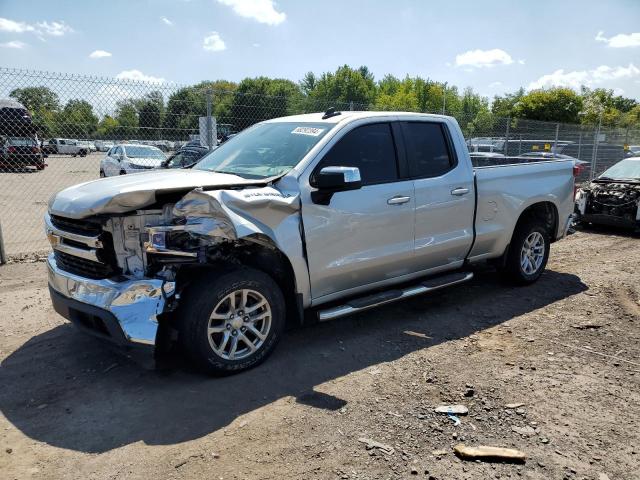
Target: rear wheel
column 232, row 321
column 528, row 252
column 123, row 172
column 102, row 175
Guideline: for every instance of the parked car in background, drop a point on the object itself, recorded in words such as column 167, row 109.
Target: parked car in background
column 131, row 158
column 89, row 146
column 186, row 157
column 15, row 119
column 66, row 146
column 103, row 145
column 21, row 153
column 319, row 215
column 633, row 151
column 613, row 198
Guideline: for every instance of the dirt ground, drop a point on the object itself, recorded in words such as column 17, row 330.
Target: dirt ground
column 566, row 348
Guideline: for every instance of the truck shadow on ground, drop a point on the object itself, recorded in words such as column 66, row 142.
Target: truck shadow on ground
column 73, row 392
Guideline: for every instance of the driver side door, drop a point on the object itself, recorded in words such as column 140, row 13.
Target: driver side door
column 361, row 237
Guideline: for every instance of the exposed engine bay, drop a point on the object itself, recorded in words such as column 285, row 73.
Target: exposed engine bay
column 610, row 203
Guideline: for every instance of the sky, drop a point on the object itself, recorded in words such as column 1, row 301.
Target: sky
column 494, row 46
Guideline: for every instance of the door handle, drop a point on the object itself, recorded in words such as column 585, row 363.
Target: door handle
column 458, row 192
column 398, row 200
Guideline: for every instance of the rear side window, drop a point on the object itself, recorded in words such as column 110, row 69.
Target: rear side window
column 371, row 149
column 427, row 149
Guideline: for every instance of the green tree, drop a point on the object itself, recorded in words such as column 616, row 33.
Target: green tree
column 503, row 106
column 345, row 85
column 186, row 105
column 42, row 103
column 554, row 104
column 127, row 117
column 262, row 98
column 108, row 128
column 395, row 94
column 150, row 112
column 76, row 119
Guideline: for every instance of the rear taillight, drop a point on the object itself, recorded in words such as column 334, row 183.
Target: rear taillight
column 35, row 149
column 578, row 169
column 11, row 150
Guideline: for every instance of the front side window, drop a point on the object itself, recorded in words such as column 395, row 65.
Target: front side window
column 371, row 149
column 427, row 150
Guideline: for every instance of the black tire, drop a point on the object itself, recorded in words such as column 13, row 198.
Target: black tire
column 123, row 172
column 199, row 303
column 513, row 268
column 83, row 153
column 102, row 175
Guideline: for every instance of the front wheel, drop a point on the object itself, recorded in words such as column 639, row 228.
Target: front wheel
column 102, row 175
column 231, row 321
column 528, row 252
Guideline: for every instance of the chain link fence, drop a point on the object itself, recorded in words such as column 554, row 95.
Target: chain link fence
column 59, row 129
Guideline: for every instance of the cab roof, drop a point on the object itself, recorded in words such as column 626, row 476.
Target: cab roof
column 349, row 116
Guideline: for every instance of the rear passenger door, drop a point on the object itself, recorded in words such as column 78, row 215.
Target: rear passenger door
column 444, row 192
column 362, row 236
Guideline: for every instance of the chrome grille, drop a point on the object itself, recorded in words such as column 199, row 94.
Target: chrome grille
column 81, row 247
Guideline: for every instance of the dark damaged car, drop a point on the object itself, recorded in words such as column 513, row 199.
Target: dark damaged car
column 613, row 198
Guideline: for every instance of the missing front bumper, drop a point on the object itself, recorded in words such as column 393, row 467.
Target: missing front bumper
column 108, row 307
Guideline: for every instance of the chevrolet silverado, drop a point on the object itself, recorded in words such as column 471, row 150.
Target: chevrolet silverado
column 308, row 217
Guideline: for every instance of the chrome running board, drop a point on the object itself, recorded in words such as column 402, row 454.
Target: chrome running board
column 388, row 296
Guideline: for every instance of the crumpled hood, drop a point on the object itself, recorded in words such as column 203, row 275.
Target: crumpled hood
column 124, row 193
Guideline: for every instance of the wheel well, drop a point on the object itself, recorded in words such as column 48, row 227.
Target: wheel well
column 255, row 251
column 546, row 212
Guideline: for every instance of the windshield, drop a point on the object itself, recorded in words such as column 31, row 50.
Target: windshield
column 144, row 152
column 628, row 169
column 22, row 141
column 265, row 150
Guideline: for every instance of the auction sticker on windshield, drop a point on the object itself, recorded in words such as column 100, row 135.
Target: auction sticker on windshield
column 313, row 131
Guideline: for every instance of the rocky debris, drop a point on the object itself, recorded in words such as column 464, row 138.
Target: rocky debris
column 526, row 431
column 452, row 409
column 513, row 406
column 486, row 453
column 372, row 444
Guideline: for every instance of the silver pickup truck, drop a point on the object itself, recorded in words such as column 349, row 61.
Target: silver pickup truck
column 303, row 218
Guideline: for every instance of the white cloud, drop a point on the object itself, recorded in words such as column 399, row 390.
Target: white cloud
column 138, row 76
column 263, row 11
column 483, row 58
column 17, row 44
column 622, row 40
column 214, row 43
column 54, row 29
column 166, row 21
column 99, row 54
column 589, row 78
column 12, row 26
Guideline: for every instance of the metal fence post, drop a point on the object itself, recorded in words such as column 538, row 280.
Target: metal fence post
column 579, row 146
column 3, row 253
column 594, row 156
column 209, row 123
column 520, row 145
column 351, row 105
column 506, row 138
column 555, row 142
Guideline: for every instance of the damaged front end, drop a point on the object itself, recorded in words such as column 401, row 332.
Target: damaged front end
column 120, row 275
column 610, row 203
